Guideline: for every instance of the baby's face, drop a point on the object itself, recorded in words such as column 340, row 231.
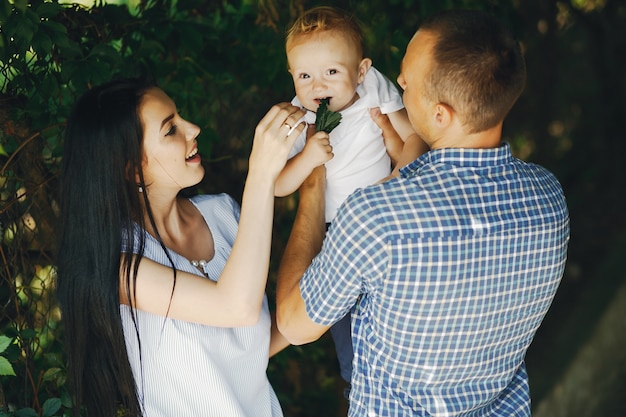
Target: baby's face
column 326, row 65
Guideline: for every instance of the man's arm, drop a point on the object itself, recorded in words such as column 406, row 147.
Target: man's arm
column 304, row 243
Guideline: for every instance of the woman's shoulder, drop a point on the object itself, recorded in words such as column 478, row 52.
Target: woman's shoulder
column 210, row 199
column 218, row 204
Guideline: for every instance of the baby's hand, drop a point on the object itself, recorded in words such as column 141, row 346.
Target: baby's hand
column 317, row 149
column 393, row 142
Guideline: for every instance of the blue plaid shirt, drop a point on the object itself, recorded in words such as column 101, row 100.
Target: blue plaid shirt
column 448, row 271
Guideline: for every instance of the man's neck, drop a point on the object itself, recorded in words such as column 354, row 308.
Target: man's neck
column 486, row 139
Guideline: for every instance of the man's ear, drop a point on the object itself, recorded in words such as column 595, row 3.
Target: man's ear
column 444, row 115
column 364, row 66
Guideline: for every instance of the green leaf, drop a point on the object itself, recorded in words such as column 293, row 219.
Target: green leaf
column 51, row 406
column 66, row 399
column 5, row 367
column 4, row 343
column 56, row 31
column 28, row 334
column 52, row 373
column 24, row 32
column 68, row 47
column 48, row 9
column 11, row 331
column 105, row 52
column 326, row 120
column 26, row 412
column 5, row 10
column 42, row 44
column 21, row 5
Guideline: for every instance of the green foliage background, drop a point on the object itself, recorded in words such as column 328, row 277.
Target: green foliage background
column 223, row 63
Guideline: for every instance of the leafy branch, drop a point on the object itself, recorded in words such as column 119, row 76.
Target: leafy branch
column 326, row 120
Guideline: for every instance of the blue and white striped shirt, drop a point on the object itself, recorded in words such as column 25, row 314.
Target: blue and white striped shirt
column 190, row 369
column 449, row 271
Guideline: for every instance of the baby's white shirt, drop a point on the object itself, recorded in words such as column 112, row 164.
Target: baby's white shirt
column 360, row 157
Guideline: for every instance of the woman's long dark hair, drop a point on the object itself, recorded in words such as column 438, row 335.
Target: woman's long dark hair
column 99, row 199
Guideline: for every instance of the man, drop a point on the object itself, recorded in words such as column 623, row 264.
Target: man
column 449, row 269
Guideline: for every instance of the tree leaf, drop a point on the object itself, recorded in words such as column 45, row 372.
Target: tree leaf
column 51, row 406
column 4, row 343
column 48, row 10
column 26, row 412
column 6, row 369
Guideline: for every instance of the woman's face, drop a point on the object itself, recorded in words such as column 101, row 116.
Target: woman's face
column 171, row 158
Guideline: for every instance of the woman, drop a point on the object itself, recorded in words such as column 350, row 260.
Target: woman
column 162, row 296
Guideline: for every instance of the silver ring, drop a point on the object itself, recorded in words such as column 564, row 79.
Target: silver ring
column 292, row 128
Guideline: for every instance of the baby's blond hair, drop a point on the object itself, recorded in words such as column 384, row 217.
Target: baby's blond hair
column 325, row 19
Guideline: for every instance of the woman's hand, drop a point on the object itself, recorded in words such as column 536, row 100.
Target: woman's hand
column 274, row 137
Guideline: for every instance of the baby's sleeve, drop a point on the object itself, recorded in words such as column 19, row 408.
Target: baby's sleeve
column 387, row 95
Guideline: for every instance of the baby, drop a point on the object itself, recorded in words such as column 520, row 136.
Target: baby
column 325, row 57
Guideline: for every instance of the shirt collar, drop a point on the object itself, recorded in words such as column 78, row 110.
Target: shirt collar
column 465, row 157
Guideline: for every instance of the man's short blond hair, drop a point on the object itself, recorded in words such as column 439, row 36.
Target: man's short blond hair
column 478, row 69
